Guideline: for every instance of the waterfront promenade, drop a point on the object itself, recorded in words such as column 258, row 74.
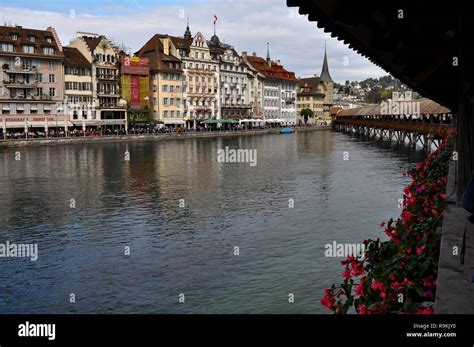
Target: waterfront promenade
column 146, row 137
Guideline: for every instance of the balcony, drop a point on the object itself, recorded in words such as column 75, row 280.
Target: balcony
column 28, row 71
column 20, row 84
column 114, row 94
column 108, row 77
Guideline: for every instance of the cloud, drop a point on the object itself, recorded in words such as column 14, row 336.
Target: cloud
column 247, row 24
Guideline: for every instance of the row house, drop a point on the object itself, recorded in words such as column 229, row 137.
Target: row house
column 110, row 110
column 78, row 101
column 31, row 79
column 234, row 101
column 166, row 80
column 279, row 90
column 200, row 78
column 135, row 87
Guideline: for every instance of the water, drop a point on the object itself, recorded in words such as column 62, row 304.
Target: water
column 190, row 250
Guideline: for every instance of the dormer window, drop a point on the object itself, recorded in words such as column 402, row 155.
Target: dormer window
column 32, row 39
column 48, row 50
column 49, row 39
column 14, row 37
column 28, row 49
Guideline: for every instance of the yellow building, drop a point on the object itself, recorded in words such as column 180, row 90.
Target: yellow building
column 316, row 93
column 310, row 95
column 166, row 85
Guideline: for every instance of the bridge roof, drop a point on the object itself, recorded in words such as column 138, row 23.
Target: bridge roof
column 415, row 41
column 427, row 106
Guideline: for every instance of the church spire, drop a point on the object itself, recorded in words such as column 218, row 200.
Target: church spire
column 268, row 52
column 325, row 76
column 187, row 33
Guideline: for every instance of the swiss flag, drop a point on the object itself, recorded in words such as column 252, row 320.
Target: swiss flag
column 215, row 19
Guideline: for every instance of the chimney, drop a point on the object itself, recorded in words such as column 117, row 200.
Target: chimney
column 279, row 62
column 254, row 54
column 244, row 54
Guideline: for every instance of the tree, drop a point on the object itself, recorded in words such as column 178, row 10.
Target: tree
column 306, row 113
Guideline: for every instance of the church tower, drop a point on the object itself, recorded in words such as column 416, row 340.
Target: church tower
column 328, row 86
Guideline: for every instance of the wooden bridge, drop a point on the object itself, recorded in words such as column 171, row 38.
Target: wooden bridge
column 412, row 122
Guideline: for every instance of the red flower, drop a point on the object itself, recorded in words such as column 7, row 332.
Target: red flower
column 427, row 310
column 346, row 274
column 362, row 309
column 419, row 250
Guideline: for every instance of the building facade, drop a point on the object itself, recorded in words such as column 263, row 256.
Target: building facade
column 135, row 87
column 78, row 101
column 316, row 93
column 31, row 82
column 310, row 96
column 234, row 101
column 279, row 90
column 166, row 80
column 201, row 87
column 110, row 108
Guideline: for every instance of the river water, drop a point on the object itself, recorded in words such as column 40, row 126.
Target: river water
column 85, row 206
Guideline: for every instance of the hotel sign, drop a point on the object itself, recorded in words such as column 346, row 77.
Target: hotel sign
column 135, row 65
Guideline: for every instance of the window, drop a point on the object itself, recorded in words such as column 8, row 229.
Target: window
column 6, row 47
column 52, row 91
column 165, row 101
column 14, row 37
column 49, row 39
column 32, row 39
column 51, row 65
column 52, row 78
column 28, row 49
column 39, row 78
column 48, row 50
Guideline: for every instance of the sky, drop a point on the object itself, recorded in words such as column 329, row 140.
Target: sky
column 246, row 24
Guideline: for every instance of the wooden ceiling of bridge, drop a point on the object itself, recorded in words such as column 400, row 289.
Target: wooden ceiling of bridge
column 419, row 48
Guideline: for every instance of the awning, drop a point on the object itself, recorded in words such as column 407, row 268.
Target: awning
column 220, row 121
column 174, row 122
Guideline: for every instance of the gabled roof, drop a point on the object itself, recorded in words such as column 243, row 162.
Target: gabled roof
column 74, row 57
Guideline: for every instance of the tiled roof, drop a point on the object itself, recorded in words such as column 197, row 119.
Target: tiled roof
column 24, row 35
column 273, row 70
column 310, row 86
column 154, row 51
column 74, row 57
